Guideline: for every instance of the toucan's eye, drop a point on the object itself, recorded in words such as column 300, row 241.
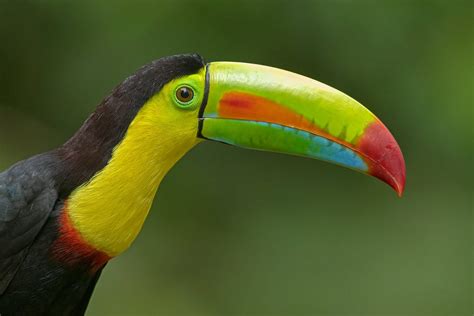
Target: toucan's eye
column 184, row 94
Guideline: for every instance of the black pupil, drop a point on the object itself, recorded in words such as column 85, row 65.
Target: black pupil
column 185, row 94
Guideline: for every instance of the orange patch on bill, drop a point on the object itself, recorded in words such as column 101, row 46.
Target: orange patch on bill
column 244, row 106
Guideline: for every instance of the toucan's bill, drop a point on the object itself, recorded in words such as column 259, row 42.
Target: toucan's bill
column 270, row 109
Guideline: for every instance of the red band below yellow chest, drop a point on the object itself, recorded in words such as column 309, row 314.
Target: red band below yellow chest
column 70, row 248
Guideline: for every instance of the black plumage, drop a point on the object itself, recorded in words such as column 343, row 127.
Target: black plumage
column 33, row 280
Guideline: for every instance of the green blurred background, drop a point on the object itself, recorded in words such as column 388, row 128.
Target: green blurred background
column 236, row 232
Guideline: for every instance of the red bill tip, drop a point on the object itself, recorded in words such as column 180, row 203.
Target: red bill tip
column 385, row 159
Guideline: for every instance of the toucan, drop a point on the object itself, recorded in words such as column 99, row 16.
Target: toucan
column 66, row 212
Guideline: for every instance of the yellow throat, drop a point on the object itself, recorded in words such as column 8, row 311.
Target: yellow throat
column 109, row 210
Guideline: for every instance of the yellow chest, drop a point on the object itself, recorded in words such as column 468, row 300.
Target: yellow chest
column 109, row 210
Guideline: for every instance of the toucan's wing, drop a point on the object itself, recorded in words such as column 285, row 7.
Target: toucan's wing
column 27, row 197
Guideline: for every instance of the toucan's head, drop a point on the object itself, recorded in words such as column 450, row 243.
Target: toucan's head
column 265, row 108
column 181, row 101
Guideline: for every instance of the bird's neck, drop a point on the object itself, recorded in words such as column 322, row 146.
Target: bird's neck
column 109, row 210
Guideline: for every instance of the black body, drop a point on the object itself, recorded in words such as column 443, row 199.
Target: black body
column 32, row 280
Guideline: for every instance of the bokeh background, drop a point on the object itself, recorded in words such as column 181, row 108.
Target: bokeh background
column 236, row 232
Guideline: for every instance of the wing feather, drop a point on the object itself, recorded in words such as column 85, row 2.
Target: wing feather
column 27, row 197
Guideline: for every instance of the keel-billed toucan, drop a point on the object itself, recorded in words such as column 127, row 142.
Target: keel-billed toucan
column 65, row 213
